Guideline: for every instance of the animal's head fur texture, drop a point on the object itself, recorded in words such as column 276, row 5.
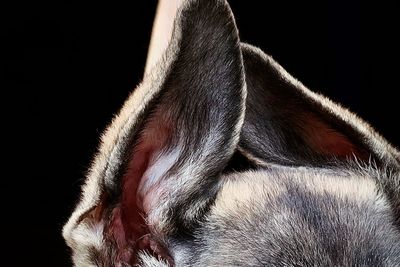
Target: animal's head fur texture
column 221, row 158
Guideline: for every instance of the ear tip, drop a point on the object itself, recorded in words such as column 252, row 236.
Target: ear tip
column 205, row 32
column 206, row 14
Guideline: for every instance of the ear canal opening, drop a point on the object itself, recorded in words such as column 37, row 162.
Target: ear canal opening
column 128, row 242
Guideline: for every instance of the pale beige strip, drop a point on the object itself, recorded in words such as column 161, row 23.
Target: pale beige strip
column 162, row 30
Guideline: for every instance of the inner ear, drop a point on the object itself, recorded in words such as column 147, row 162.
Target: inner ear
column 148, row 159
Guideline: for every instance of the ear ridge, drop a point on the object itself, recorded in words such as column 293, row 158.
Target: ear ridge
column 280, row 86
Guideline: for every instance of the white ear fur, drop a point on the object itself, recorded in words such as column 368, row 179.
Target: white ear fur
column 159, row 165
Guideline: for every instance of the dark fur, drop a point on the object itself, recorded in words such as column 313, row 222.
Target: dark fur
column 309, row 184
column 319, row 229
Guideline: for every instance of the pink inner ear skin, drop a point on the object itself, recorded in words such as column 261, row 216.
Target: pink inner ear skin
column 328, row 141
column 128, row 228
column 127, row 224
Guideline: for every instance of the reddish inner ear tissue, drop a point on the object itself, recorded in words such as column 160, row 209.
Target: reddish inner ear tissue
column 128, row 230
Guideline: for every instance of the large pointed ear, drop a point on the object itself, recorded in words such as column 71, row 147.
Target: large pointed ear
column 288, row 124
column 158, row 165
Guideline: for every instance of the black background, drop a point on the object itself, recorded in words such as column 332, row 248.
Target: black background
column 68, row 67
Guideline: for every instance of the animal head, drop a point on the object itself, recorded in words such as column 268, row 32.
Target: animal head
column 221, row 158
